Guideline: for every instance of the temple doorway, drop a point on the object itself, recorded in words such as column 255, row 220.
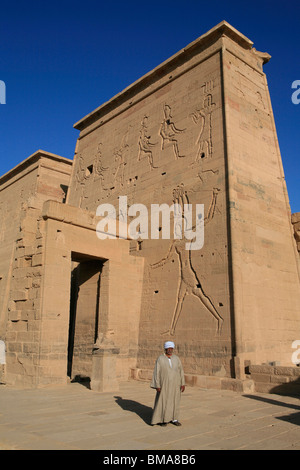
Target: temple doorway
column 84, row 315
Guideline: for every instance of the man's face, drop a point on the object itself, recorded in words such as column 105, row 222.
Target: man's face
column 169, row 351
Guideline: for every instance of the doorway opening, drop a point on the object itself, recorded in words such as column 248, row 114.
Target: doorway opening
column 84, row 315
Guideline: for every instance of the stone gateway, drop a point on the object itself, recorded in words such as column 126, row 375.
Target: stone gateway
column 198, row 129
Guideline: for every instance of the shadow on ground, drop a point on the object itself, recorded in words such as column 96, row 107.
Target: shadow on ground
column 293, row 418
column 143, row 411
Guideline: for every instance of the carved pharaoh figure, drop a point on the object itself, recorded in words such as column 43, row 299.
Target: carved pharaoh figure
column 168, row 130
column 120, row 160
column 99, row 168
column 189, row 282
column 145, row 146
column 204, row 141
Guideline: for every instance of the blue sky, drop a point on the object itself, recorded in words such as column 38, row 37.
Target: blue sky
column 61, row 60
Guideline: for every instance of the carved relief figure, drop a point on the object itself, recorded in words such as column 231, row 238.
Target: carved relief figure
column 80, row 177
column 260, row 99
column 145, row 146
column 208, row 87
column 80, row 173
column 119, row 155
column 189, row 282
column 168, row 131
column 204, row 141
column 99, row 168
column 3, row 219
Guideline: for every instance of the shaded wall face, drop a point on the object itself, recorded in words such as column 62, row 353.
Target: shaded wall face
column 264, row 257
column 167, row 148
column 296, row 227
column 13, row 203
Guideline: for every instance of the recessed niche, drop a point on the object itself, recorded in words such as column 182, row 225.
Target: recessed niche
column 89, row 170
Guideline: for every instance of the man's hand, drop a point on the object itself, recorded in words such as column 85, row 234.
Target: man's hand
column 158, row 390
column 182, row 388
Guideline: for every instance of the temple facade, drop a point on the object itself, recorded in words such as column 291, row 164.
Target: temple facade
column 171, row 222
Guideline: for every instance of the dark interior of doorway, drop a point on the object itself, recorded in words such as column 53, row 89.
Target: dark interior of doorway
column 84, row 316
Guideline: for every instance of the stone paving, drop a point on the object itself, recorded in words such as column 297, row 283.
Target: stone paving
column 73, row 417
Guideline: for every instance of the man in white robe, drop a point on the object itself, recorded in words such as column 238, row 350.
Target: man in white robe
column 168, row 380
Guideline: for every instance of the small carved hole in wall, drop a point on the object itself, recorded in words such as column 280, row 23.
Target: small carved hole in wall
column 139, row 245
column 89, row 170
column 202, row 155
column 220, row 304
column 163, row 173
column 156, row 292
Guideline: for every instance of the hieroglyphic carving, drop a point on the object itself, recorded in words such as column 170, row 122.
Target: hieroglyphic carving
column 260, row 99
column 111, row 178
column 204, row 141
column 100, row 169
column 120, row 160
column 80, row 173
column 145, row 146
column 180, row 195
column 189, row 282
column 208, row 87
column 80, row 178
column 168, row 130
column 3, row 219
column 204, row 175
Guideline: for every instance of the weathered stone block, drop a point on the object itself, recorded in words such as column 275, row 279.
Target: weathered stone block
column 37, row 260
column 14, row 315
column 19, row 295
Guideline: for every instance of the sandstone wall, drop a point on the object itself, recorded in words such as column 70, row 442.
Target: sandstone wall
column 107, row 320
column 200, row 129
column 276, row 379
column 23, row 192
column 164, row 143
column 264, row 259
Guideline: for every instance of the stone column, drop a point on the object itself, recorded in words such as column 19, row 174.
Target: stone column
column 104, row 377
